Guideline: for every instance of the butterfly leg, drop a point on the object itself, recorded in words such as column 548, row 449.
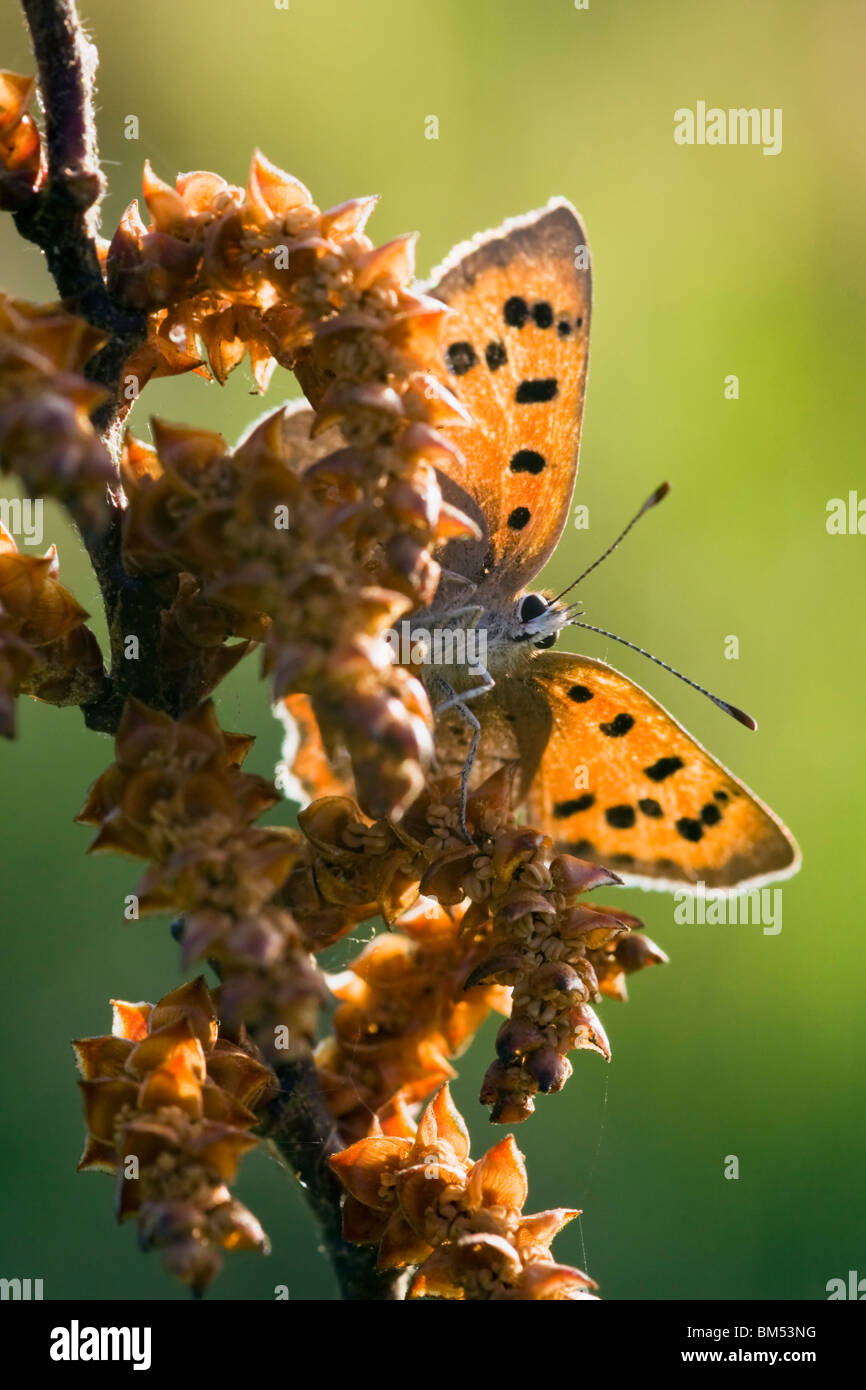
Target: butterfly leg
column 475, row 726
column 453, row 700
column 457, row 702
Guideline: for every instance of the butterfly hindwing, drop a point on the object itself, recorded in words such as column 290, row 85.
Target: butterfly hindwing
column 515, row 352
column 621, row 783
column 307, row 769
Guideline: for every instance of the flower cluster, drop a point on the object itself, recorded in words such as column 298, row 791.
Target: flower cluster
column 509, row 914
column 558, row 954
column 333, row 543
column 169, row 1106
column 527, row 928
column 403, row 1013
column 255, row 538
column 177, row 795
column 46, row 436
column 417, row 1194
column 45, row 649
column 22, row 167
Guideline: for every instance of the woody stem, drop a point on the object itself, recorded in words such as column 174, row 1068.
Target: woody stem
column 304, row 1132
column 62, row 219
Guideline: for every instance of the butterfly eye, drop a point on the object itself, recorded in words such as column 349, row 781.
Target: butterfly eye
column 532, row 607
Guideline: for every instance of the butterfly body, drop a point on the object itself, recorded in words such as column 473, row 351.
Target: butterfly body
column 499, row 640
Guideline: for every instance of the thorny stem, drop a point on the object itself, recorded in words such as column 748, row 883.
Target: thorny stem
column 62, row 220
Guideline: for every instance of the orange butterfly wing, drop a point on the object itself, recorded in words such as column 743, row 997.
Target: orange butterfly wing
column 515, row 352
column 622, row 783
column 307, row 769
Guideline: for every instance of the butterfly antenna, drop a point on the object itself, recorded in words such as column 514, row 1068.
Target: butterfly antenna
column 736, row 713
column 651, row 501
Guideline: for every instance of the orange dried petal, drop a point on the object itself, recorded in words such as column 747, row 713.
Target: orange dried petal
column 499, row 1178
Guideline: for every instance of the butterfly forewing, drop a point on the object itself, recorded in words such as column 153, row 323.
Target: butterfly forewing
column 515, row 352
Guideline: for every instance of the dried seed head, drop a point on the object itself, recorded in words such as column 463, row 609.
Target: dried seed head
column 169, row 1107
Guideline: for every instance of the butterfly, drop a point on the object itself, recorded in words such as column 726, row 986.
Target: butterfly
column 602, row 768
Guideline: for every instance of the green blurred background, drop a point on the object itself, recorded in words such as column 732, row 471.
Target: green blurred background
column 707, row 261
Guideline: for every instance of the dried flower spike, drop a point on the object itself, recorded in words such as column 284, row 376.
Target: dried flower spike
column 501, row 914
column 263, row 269
column 177, row 796
column 45, row 649
column 419, row 1197
column 169, row 1107
column 46, row 435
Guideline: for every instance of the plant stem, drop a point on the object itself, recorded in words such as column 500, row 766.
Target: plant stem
column 63, row 215
column 62, row 219
column 305, row 1133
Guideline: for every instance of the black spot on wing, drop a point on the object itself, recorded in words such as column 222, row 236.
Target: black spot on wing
column 650, row 807
column 665, row 767
column 543, row 314
column 461, row 358
column 526, row 461
column 518, row 518
column 515, row 311
column 620, row 817
column 495, row 356
column 689, row 828
column 562, row 809
column 580, row 694
column 619, row 726
column 536, row 392
column 710, row 814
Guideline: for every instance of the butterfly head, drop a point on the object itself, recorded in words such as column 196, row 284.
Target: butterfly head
column 538, row 620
